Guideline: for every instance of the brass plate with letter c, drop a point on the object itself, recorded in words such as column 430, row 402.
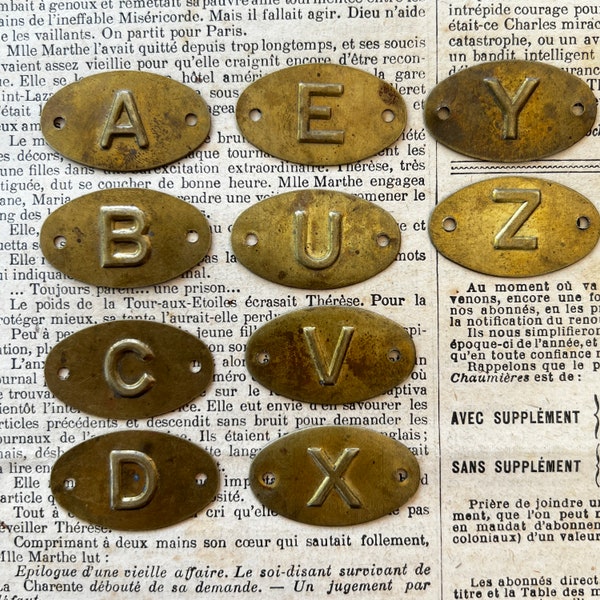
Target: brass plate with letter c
column 515, row 227
column 317, row 239
column 129, row 369
column 334, row 476
column 125, row 120
column 134, row 480
column 330, row 355
column 321, row 114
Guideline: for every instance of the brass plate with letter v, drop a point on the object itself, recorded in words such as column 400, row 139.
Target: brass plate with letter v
column 330, row 355
column 317, row 239
column 334, row 475
column 510, row 111
column 125, row 237
column 129, row 369
column 515, row 227
column 125, row 120
column 134, row 480
column 321, row 114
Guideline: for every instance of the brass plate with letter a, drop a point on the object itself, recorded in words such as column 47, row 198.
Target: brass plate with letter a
column 125, row 120
column 510, row 110
column 125, row 237
column 129, row 369
column 134, row 480
column 321, row 114
column 334, row 475
column 317, row 239
column 515, row 227
column 330, row 355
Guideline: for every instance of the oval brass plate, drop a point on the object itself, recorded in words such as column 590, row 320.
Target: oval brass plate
column 129, row 369
column 125, row 237
column 315, row 239
column 134, row 480
column 515, row 227
column 510, row 111
column 321, row 114
column 330, row 355
column 125, row 120
column 334, row 475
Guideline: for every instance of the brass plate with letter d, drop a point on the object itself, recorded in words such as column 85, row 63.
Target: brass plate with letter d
column 134, row 480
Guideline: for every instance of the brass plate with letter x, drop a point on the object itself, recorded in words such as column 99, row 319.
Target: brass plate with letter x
column 134, row 480
column 318, row 239
column 334, row 475
column 125, row 120
column 330, row 355
column 129, row 369
column 321, row 114
column 515, row 227
column 125, row 237
column 510, row 111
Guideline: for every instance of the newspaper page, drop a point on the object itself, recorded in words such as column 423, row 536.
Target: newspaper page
column 501, row 418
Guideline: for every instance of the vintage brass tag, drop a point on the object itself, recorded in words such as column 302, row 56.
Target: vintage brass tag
column 334, row 475
column 134, row 480
column 330, row 355
column 125, row 120
column 515, row 227
column 129, row 369
column 321, row 114
column 125, row 237
column 510, row 111
column 315, row 239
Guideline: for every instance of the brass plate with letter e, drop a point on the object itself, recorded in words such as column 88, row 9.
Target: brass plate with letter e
column 334, row 476
column 515, row 227
column 330, row 355
column 134, row 480
column 125, row 237
column 125, row 120
column 321, row 114
column 129, row 369
column 510, row 111
column 316, row 239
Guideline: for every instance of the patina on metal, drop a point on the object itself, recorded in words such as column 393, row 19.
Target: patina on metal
column 125, row 237
column 510, row 111
column 134, row 480
column 317, row 239
column 321, row 114
column 129, row 369
column 515, row 227
column 334, row 475
column 125, row 120
column 330, row 355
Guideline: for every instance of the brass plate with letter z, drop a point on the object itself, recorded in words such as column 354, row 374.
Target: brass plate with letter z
column 125, row 237
column 317, row 239
column 125, row 120
column 334, row 476
column 321, row 114
column 510, row 111
column 515, row 227
column 129, row 369
column 134, row 480
column 330, row 355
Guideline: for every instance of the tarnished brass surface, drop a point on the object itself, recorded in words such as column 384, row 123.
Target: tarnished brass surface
column 515, row 227
column 134, row 480
column 510, row 111
column 330, row 355
column 321, row 114
column 129, row 369
column 315, row 239
column 334, row 475
column 125, row 120
column 125, row 237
